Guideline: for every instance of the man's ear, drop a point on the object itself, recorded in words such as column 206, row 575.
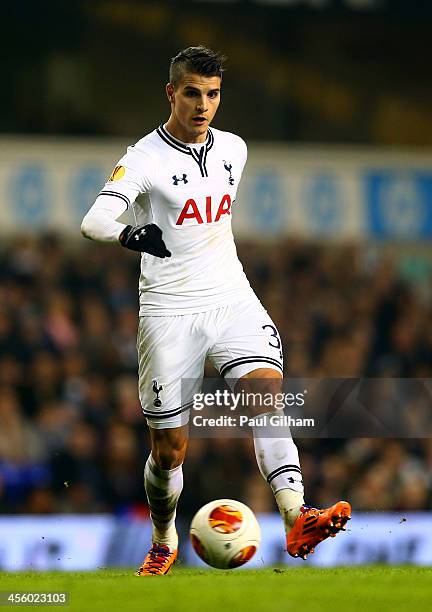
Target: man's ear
column 170, row 92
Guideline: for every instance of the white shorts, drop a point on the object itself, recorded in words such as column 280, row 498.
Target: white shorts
column 237, row 339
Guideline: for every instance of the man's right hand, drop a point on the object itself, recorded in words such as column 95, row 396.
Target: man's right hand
column 144, row 238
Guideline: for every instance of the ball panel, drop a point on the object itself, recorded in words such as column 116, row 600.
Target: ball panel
column 225, row 519
column 243, row 556
column 198, row 547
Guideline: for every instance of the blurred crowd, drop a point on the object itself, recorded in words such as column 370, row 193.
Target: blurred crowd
column 72, row 436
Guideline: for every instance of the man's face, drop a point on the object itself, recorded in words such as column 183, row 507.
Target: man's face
column 194, row 103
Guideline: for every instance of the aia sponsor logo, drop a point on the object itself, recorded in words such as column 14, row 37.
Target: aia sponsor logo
column 211, row 214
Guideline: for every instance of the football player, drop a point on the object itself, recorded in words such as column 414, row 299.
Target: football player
column 181, row 181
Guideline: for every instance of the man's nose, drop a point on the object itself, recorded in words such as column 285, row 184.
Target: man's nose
column 201, row 105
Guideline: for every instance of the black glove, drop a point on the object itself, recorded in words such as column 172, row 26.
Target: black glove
column 146, row 238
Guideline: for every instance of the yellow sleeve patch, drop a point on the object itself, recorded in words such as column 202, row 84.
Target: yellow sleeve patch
column 117, row 174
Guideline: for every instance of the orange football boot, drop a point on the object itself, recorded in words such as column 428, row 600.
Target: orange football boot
column 312, row 526
column 158, row 561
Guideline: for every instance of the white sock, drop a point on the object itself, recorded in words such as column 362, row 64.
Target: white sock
column 279, row 463
column 289, row 503
column 163, row 489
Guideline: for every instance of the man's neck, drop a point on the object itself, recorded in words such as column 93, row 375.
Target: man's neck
column 178, row 132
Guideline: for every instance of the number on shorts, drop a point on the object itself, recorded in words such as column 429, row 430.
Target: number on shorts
column 275, row 334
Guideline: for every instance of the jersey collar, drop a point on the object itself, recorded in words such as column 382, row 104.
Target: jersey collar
column 181, row 146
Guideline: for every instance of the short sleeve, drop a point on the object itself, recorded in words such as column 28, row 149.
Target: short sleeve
column 133, row 174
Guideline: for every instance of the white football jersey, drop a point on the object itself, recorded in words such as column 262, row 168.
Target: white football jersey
column 189, row 191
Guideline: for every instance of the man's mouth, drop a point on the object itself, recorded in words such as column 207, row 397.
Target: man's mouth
column 199, row 120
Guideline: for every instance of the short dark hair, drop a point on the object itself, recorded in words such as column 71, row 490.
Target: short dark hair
column 196, row 60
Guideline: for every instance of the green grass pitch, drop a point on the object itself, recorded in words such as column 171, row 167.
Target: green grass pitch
column 186, row 590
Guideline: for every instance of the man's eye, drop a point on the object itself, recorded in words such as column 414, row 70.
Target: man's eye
column 213, row 94
column 190, row 94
